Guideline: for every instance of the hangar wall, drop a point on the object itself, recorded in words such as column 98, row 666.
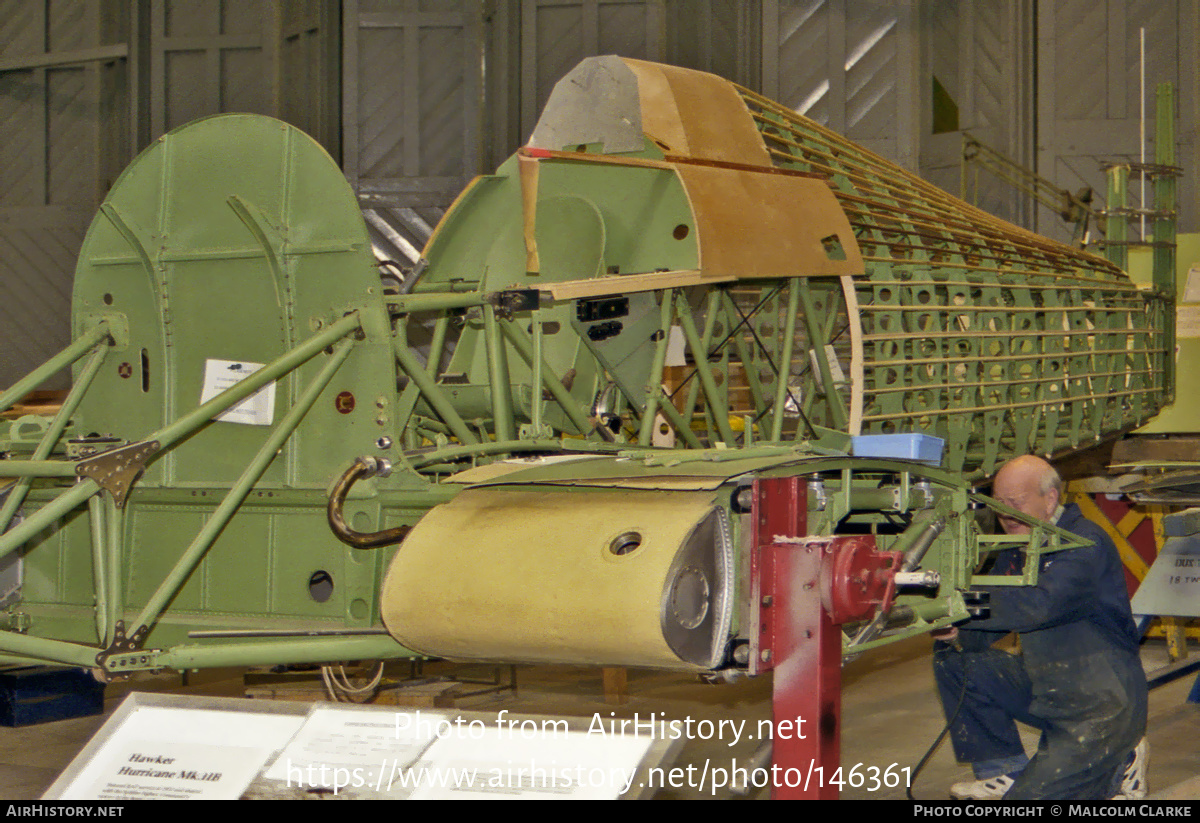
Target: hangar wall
column 416, row 96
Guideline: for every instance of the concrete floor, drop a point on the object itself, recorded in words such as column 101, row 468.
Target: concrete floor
column 890, row 716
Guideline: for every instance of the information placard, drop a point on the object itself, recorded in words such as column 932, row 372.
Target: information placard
column 256, row 410
column 148, row 750
column 168, row 747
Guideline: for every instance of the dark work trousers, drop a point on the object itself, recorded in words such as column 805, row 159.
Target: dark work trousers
column 1090, row 711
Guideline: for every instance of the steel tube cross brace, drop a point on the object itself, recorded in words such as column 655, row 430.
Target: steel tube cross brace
column 232, row 501
column 78, row 348
column 16, row 495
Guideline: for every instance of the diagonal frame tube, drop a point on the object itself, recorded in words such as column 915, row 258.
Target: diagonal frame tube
column 78, row 348
column 46, row 515
column 16, row 495
column 432, row 392
column 501, row 385
column 237, row 494
column 654, row 383
column 833, row 397
column 720, row 412
column 190, row 422
column 114, row 522
column 783, row 373
column 547, row 379
column 99, row 566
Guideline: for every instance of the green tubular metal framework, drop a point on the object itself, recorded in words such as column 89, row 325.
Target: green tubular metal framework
column 996, row 339
column 647, row 311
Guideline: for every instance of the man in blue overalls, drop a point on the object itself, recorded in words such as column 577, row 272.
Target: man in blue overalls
column 1078, row 677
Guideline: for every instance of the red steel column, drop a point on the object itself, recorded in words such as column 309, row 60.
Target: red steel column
column 805, row 588
column 798, row 640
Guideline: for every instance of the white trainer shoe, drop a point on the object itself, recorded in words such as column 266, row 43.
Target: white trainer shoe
column 991, row 789
column 1133, row 780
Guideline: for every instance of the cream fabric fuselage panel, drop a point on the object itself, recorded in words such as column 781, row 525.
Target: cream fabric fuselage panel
column 529, row 574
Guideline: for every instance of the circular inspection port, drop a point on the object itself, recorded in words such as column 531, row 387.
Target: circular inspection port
column 320, row 586
column 625, row 543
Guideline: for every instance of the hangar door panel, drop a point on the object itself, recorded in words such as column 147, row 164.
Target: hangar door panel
column 1089, row 91
column 847, row 65
column 61, row 139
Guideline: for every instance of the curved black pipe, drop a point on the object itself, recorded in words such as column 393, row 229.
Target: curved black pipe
column 337, row 498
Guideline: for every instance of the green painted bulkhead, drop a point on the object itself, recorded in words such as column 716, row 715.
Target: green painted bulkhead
column 590, row 222
column 201, row 259
column 198, row 257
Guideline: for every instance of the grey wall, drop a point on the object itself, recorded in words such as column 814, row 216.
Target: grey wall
column 62, row 142
column 416, row 96
column 1089, row 88
column 85, row 84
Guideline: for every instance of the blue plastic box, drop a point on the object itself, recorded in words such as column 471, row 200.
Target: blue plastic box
column 923, row 448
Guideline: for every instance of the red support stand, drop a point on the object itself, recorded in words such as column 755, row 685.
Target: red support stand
column 805, row 588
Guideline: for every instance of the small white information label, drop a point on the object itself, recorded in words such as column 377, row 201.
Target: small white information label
column 182, row 754
column 344, row 747
column 1172, row 586
column 256, row 410
column 835, row 368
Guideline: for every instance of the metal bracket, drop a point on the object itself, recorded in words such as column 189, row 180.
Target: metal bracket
column 978, row 603
column 816, row 485
column 925, row 488
column 117, row 469
column 511, row 301
column 14, row 621
column 126, row 652
column 589, row 311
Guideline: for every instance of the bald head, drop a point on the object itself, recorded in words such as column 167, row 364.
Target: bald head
column 1031, row 486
